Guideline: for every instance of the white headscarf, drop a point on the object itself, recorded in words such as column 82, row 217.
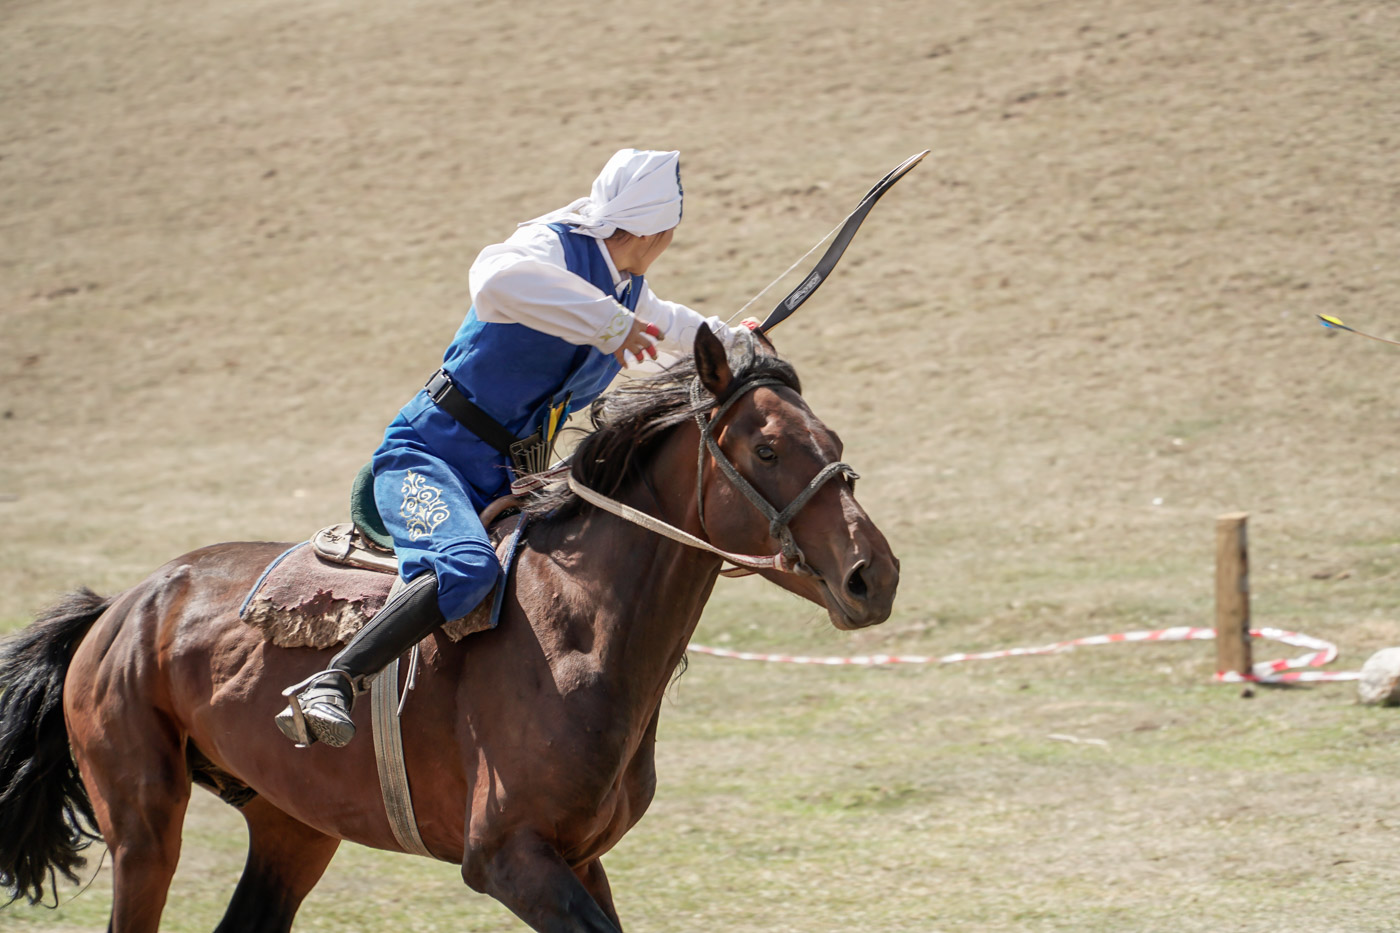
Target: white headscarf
column 639, row 191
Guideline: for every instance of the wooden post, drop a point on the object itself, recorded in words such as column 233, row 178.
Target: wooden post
column 1233, row 651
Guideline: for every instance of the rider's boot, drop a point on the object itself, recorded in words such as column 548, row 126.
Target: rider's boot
column 320, row 705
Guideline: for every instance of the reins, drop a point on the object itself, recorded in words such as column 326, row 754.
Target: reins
column 790, row 558
column 750, row 562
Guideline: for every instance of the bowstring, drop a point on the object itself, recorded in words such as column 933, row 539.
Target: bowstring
column 788, row 271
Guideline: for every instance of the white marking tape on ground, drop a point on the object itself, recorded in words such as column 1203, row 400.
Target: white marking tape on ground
column 1302, row 669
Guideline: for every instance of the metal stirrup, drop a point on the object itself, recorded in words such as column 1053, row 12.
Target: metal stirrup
column 292, row 693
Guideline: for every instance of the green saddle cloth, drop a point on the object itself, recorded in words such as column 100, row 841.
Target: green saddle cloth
column 363, row 511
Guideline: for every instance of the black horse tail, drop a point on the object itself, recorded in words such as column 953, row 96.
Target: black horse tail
column 46, row 818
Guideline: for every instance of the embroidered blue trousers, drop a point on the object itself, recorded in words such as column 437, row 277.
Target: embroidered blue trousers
column 431, row 513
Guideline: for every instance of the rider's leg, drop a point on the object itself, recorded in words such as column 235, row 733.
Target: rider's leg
column 326, row 699
column 447, row 559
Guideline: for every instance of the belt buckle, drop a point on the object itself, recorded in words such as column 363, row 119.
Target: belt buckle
column 438, row 385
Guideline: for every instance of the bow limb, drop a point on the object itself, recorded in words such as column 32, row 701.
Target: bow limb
column 832, row 256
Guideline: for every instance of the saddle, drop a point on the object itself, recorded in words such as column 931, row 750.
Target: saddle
column 320, row 592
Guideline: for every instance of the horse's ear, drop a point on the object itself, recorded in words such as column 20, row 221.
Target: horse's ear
column 712, row 363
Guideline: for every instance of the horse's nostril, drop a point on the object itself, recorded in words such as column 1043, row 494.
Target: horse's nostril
column 855, row 582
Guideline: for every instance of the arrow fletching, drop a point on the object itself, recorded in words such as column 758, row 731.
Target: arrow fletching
column 1336, row 323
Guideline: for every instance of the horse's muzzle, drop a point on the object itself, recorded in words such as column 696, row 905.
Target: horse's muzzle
column 866, row 593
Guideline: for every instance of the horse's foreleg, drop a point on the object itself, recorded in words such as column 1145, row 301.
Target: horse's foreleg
column 528, row 876
column 285, row 860
column 596, row 881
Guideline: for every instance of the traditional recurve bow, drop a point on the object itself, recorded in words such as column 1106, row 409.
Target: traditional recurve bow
column 832, row 256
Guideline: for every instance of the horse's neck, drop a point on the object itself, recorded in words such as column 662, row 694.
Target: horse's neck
column 639, row 594
column 646, row 622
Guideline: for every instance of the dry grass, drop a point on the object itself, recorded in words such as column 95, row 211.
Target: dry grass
column 235, row 236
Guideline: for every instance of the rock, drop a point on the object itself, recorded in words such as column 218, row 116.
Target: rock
column 1380, row 679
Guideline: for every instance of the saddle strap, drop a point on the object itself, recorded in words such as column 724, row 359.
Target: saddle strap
column 388, row 755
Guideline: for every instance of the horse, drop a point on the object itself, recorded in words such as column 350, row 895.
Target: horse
column 111, row 709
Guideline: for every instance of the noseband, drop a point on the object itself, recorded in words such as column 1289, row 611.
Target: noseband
column 778, row 521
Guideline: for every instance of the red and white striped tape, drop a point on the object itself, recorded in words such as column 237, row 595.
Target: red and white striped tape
column 1284, row 670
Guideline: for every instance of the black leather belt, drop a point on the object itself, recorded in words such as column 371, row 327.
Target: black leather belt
column 468, row 414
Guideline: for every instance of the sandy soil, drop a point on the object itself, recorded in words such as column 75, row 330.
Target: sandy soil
column 236, row 235
column 234, row 238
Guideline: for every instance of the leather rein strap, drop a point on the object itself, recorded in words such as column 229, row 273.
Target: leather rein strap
column 657, row 526
column 790, row 558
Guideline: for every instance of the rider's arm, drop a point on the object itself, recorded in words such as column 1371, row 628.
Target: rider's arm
column 552, row 300
column 525, row 281
column 677, row 323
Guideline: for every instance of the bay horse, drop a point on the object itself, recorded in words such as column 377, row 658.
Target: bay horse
column 529, row 746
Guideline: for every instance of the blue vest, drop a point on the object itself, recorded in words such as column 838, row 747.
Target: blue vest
column 516, row 375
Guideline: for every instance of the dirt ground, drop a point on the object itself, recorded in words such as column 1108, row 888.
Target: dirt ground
column 234, row 239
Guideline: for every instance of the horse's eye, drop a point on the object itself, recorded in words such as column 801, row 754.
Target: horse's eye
column 766, row 453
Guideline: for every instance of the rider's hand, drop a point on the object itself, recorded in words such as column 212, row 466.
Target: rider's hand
column 638, row 341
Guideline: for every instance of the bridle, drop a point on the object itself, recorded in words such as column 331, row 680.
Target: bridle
column 778, row 521
column 789, row 559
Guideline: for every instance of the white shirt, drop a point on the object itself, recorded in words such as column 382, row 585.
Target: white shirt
column 525, row 281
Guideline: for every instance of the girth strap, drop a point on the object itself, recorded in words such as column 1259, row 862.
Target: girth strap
column 389, row 757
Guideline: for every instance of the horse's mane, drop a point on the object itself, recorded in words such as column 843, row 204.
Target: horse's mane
column 630, row 422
